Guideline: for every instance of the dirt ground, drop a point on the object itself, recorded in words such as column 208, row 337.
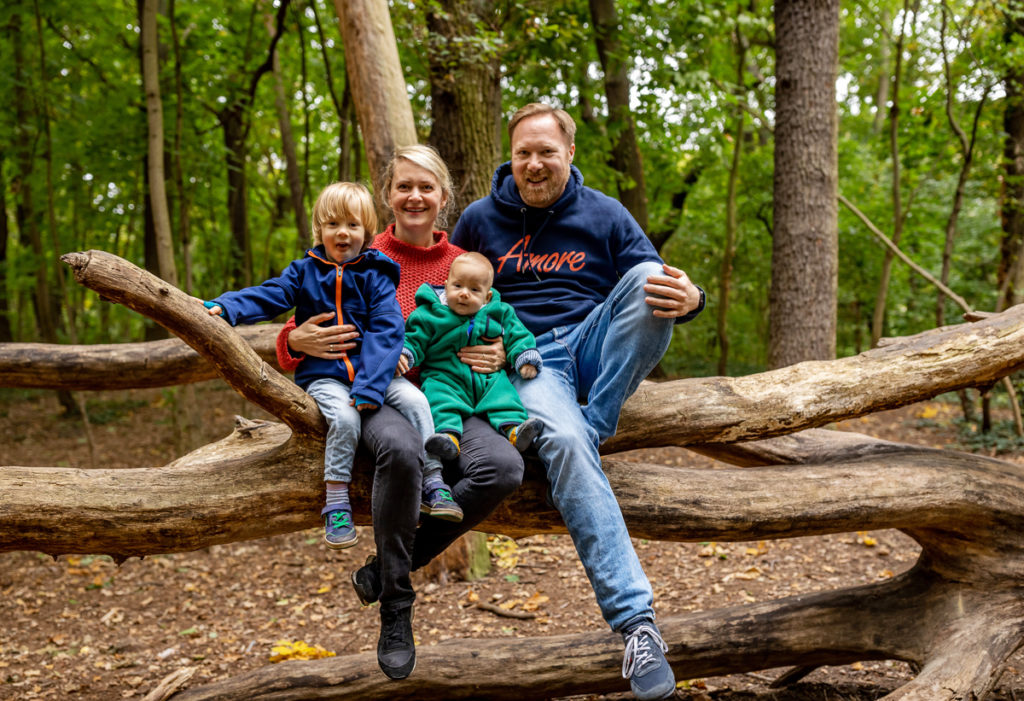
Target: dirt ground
column 81, row 627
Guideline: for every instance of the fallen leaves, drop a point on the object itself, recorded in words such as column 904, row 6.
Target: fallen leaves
column 297, row 650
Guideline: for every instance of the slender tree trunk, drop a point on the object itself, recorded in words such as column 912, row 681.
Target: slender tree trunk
column 626, row 157
column 184, row 196
column 883, row 46
column 6, row 334
column 878, row 318
column 729, row 253
column 1011, row 263
column 967, row 153
column 25, row 212
column 378, row 85
column 342, row 108
column 234, row 123
column 155, row 137
column 805, row 242
column 465, row 92
column 291, row 160
column 233, row 129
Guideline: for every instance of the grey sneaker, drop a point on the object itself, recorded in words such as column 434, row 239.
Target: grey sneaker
column 644, row 663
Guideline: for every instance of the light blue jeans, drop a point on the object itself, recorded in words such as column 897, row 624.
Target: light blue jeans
column 589, row 371
column 344, row 424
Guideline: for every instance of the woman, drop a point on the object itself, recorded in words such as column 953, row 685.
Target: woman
column 417, row 188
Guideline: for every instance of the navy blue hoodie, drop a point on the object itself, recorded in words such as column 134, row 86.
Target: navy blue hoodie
column 554, row 265
column 364, row 288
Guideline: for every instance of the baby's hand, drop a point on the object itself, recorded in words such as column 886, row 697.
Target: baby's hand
column 528, row 372
column 403, row 366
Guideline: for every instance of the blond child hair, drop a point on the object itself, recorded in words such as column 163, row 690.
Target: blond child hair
column 343, row 200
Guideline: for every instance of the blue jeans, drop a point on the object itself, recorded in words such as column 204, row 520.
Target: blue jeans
column 344, row 422
column 589, row 371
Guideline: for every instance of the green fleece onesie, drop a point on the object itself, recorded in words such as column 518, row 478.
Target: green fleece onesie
column 433, row 336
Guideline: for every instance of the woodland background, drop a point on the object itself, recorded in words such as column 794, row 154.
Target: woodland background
column 258, row 116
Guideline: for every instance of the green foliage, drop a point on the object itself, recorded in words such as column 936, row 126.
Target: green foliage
column 689, row 87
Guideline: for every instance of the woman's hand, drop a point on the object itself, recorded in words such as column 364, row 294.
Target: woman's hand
column 327, row 342
column 403, row 366
column 485, row 359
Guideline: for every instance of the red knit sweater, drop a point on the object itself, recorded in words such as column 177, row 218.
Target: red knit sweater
column 418, row 265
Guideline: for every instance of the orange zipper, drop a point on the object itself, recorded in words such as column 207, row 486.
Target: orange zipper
column 337, row 302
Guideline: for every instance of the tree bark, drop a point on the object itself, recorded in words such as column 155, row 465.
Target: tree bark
column 6, row 334
column 122, row 282
column 165, row 363
column 465, row 93
column 878, row 316
column 894, row 620
column 729, row 251
column 805, row 241
column 234, row 123
column 1010, row 274
column 378, row 85
column 25, row 213
column 626, row 157
column 291, row 160
column 957, row 614
column 155, row 140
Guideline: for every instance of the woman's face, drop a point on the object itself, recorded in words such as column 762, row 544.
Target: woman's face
column 415, row 198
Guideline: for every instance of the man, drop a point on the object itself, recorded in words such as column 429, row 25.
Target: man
column 584, row 278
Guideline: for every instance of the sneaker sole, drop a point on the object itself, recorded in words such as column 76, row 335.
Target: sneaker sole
column 447, row 515
column 342, row 545
column 359, row 594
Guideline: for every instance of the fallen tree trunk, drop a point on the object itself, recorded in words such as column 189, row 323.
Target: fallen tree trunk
column 896, row 619
column 958, row 613
column 119, row 365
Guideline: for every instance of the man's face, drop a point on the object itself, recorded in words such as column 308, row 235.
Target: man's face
column 540, row 160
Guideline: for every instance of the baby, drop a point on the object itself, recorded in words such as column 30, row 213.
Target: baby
column 467, row 312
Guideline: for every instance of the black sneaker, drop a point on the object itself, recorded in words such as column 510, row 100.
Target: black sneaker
column 396, row 650
column 644, row 663
column 366, row 581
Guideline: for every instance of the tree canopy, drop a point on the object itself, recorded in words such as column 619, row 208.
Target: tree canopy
column 921, row 98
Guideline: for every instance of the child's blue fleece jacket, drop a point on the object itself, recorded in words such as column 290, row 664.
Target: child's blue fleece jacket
column 364, row 289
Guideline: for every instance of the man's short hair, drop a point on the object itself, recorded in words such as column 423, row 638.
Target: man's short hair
column 565, row 122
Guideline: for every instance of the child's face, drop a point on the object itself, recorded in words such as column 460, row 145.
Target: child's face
column 342, row 238
column 468, row 288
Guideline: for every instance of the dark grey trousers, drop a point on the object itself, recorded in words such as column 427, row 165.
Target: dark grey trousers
column 488, row 469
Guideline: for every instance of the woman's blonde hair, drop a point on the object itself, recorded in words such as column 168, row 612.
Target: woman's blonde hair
column 429, row 159
column 343, row 201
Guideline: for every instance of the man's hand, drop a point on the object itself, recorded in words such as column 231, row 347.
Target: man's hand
column 403, row 366
column 485, row 359
column 676, row 295
column 327, row 342
column 528, row 372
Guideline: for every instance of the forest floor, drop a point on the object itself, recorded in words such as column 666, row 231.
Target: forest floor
column 81, row 627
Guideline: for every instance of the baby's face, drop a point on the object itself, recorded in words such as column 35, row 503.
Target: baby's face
column 467, row 288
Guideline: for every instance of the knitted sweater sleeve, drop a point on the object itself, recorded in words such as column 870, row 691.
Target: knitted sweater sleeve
column 285, row 359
